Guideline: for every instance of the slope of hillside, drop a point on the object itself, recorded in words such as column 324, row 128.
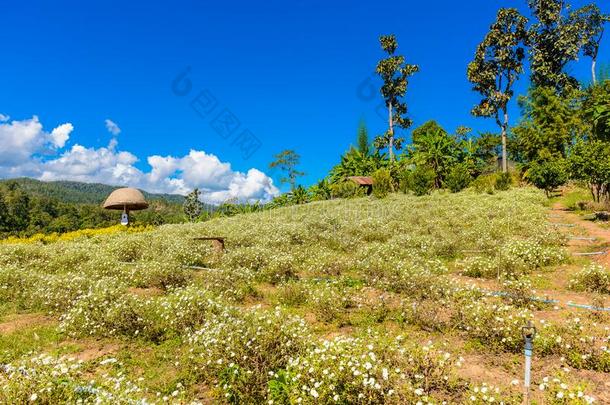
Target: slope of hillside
column 401, row 300
column 80, row 193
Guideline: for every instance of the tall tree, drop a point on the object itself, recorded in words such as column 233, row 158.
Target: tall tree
column 363, row 139
column 434, row 148
column 287, row 161
column 497, row 64
column 555, row 40
column 4, row 215
column 192, row 205
column 596, row 109
column 395, row 75
column 550, row 123
column 590, row 22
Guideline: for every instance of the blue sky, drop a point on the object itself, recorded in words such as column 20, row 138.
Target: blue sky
column 295, row 74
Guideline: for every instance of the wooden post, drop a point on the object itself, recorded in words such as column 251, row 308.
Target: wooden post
column 219, row 245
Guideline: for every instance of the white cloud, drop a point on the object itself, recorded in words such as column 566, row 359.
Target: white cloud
column 27, row 150
column 112, row 127
column 217, row 181
column 4, row 118
column 60, row 135
column 21, row 140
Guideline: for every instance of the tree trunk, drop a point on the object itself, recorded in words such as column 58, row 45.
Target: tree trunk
column 391, row 140
column 504, row 158
column 593, row 75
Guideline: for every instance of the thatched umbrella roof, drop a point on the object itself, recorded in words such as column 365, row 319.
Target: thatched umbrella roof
column 130, row 199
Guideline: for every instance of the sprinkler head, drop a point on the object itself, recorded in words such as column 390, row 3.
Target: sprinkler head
column 529, row 330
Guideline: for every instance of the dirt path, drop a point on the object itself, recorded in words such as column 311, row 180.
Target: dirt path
column 17, row 323
column 589, row 229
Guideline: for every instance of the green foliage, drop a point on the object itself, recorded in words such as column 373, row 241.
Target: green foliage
column 346, row 189
column 287, row 161
column 321, row 191
column 503, row 181
column 590, row 22
column 364, row 146
column 593, row 278
column 339, row 364
column 485, row 183
column 589, row 161
column 299, row 195
column 354, row 163
column 458, row 178
column 556, row 39
column 192, row 205
column 394, row 73
column 548, row 175
column 435, row 149
column 75, row 192
column 497, row 64
column 422, row 180
column 242, row 352
column 30, row 207
column 382, row 183
column 486, row 151
column 549, row 124
column 596, row 108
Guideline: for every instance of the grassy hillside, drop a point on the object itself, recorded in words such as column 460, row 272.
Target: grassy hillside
column 80, row 193
column 399, row 300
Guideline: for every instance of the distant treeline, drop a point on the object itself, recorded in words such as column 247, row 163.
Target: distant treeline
column 28, row 207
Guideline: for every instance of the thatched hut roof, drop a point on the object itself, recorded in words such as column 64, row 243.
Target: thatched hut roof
column 125, row 198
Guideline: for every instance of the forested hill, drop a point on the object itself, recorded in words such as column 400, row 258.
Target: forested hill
column 30, row 206
column 80, row 193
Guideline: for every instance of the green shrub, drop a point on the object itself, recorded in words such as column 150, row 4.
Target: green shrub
column 480, row 267
column 346, row 189
column 240, row 353
column 547, row 175
column 503, row 181
column 422, row 180
column 458, row 178
column 292, row 294
column 368, row 370
column 108, row 310
column 594, row 278
column 484, row 184
column 518, row 292
column 405, row 180
column 46, row 379
column 382, row 183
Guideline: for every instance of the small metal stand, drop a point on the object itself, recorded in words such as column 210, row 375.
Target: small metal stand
column 125, row 217
column 529, row 333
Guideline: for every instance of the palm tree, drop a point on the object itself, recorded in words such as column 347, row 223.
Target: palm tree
column 299, row 195
column 435, row 149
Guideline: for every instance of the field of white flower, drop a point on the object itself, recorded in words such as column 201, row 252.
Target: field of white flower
column 401, row 300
